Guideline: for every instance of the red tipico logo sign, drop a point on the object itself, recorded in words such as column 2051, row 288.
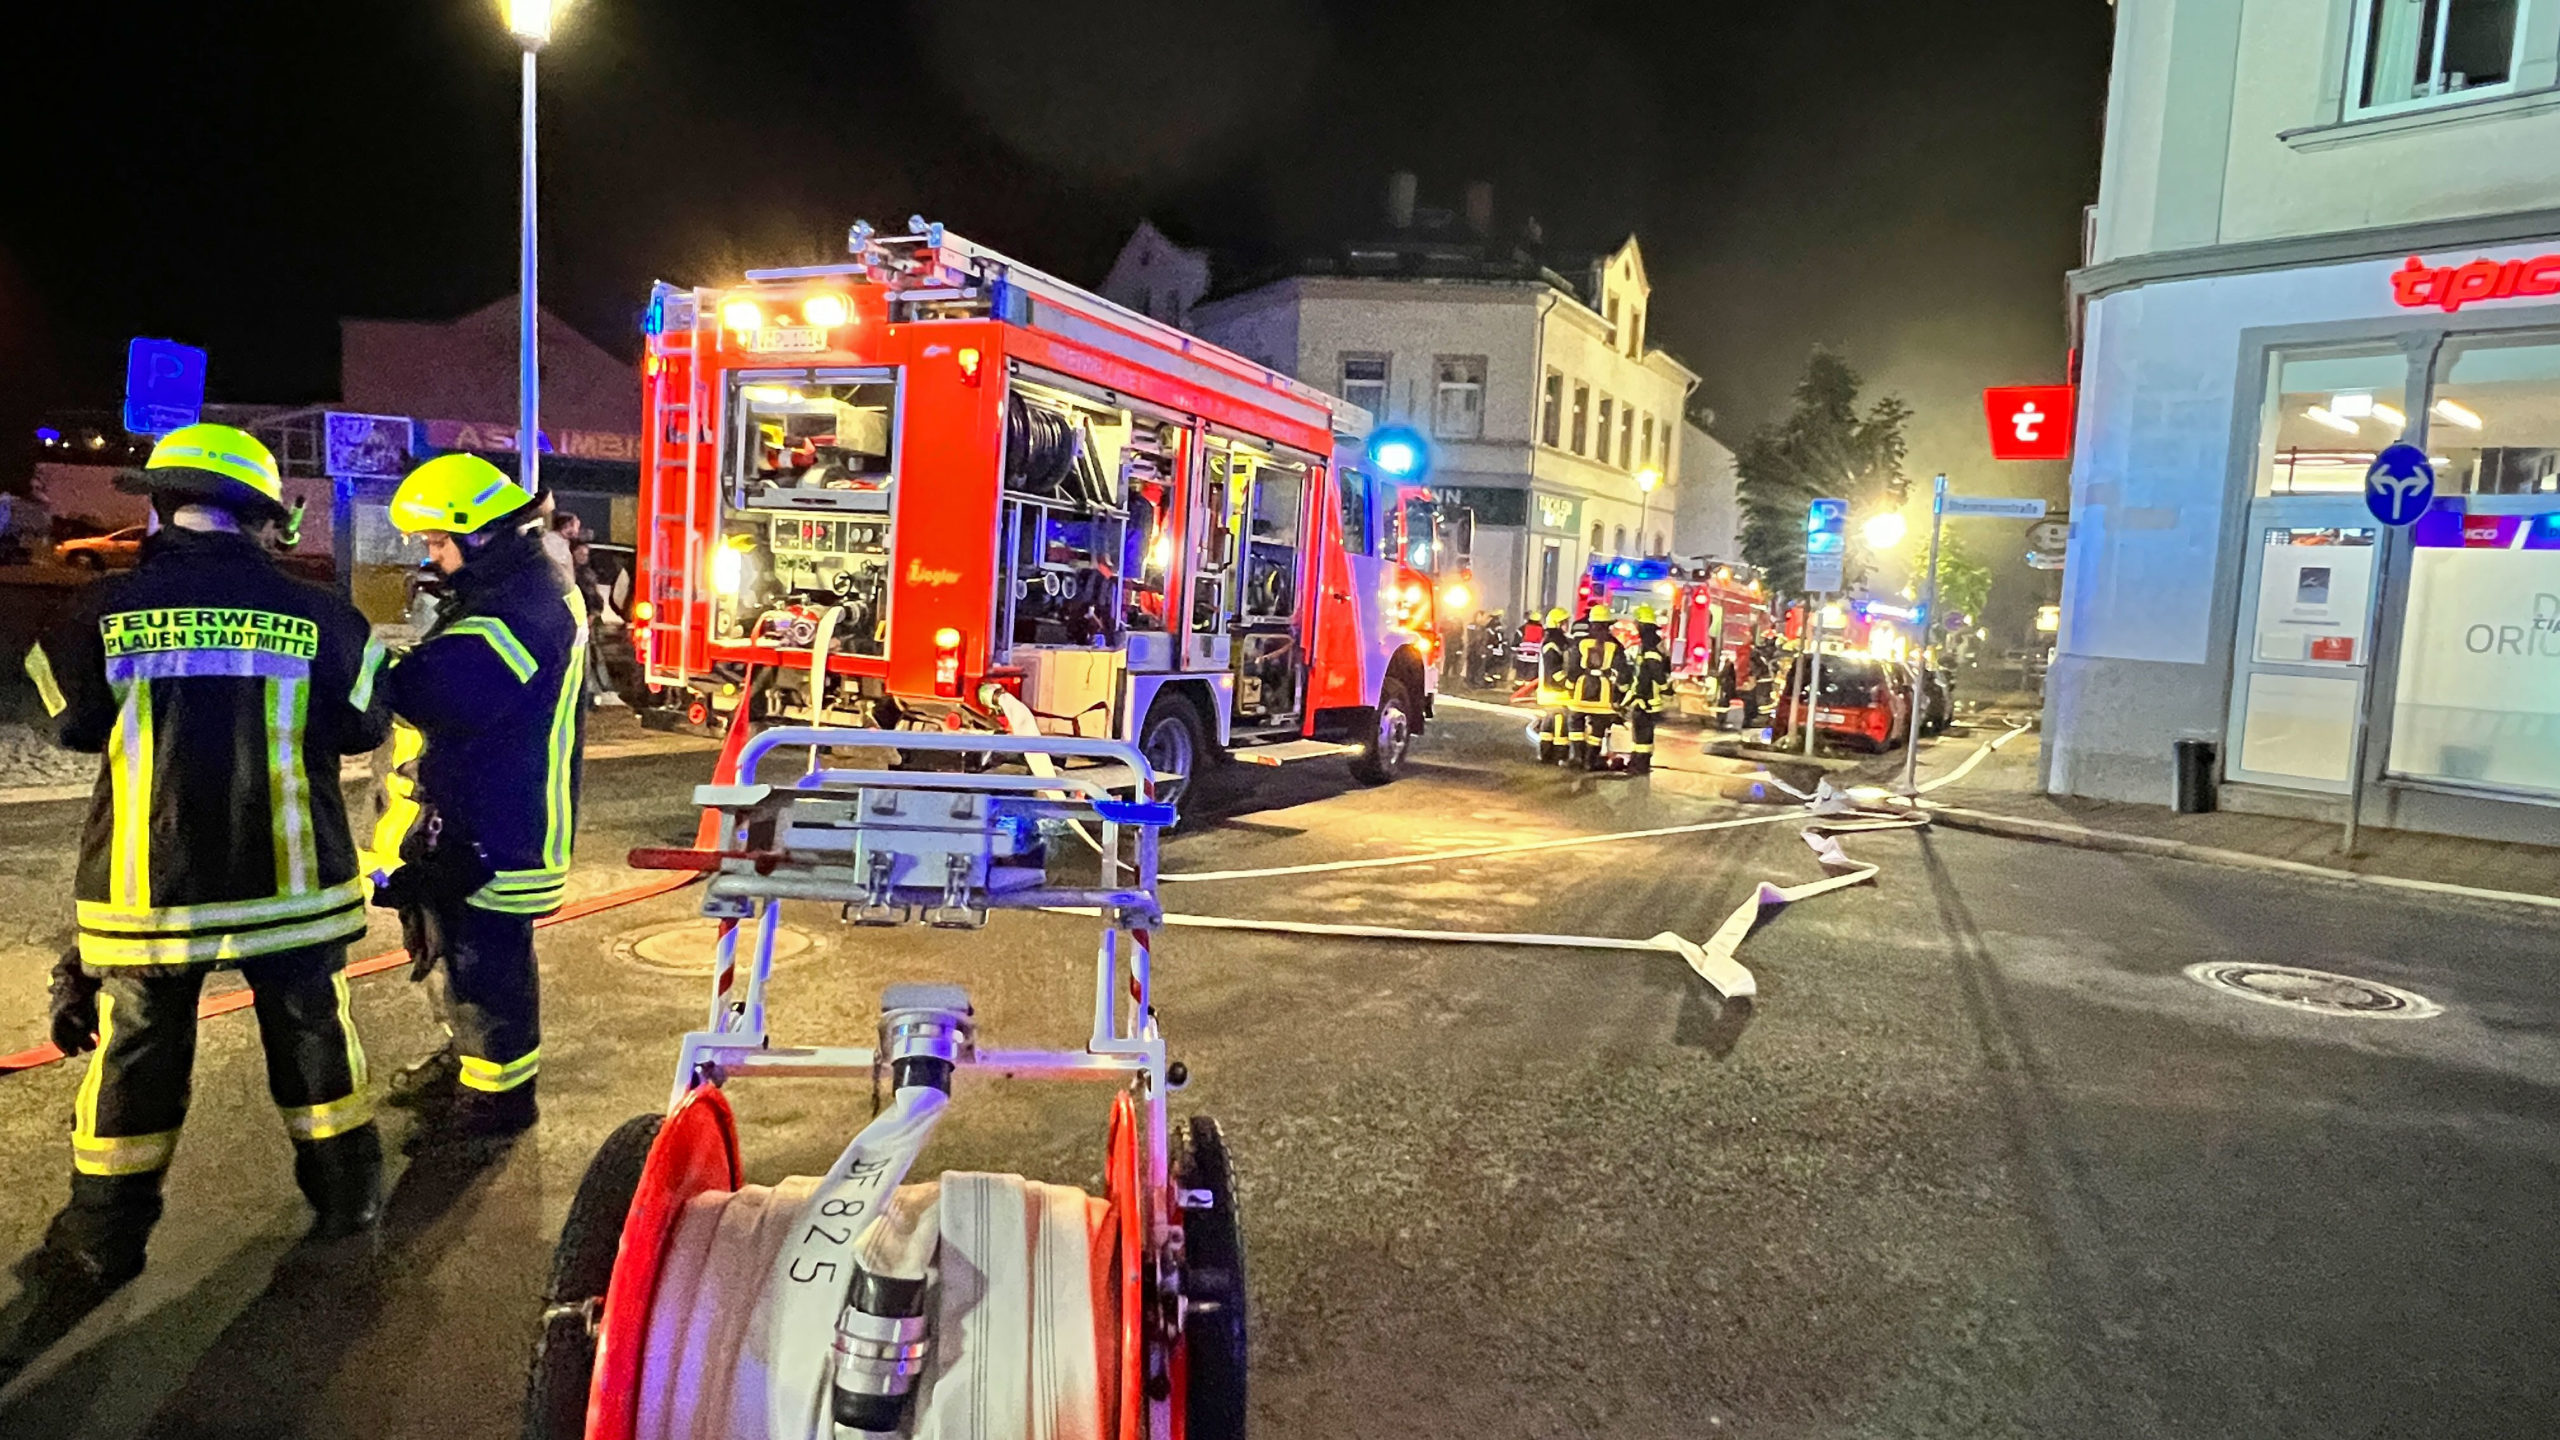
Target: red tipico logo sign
column 2417, row 284
column 2029, row 422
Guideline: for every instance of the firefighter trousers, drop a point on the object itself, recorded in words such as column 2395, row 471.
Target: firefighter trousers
column 133, row 1102
column 1555, row 727
column 1640, row 740
column 493, row 1001
column 1591, row 738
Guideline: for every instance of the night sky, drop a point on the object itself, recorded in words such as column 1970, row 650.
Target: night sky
column 1900, row 180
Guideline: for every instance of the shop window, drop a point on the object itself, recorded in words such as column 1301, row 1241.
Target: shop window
column 2493, row 420
column 1581, row 418
column 1457, row 408
column 2478, row 698
column 2328, row 413
column 1551, row 416
column 2412, row 53
column 1364, row 381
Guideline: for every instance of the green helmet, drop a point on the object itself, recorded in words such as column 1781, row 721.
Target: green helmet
column 457, row 494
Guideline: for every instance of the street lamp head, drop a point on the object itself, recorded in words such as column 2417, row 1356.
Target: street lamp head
column 1885, row 529
column 530, row 20
column 1647, row 478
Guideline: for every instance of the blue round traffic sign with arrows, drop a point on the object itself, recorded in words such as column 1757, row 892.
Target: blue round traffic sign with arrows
column 2399, row 485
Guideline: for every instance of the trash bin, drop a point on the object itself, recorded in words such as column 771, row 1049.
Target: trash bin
column 2192, row 761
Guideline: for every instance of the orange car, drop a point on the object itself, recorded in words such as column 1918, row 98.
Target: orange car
column 115, row 550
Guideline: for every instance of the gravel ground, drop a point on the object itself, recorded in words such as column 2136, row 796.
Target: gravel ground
column 27, row 758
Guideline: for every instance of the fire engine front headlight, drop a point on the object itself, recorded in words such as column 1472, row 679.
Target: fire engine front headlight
column 728, row 568
column 823, row 310
column 743, row 315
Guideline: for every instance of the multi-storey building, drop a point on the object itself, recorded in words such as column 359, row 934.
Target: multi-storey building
column 1551, row 416
column 2323, row 226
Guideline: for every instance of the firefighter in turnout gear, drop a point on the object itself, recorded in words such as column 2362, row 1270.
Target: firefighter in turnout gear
column 483, row 798
column 1599, row 682
column 222, row 694
column 1555, row 689
column 1648, row 689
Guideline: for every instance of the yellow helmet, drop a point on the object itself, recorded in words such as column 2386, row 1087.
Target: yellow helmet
column 1644, row 615
column 215, row 463
column 1600, row 610
column 1557, row 616
column 458, row 494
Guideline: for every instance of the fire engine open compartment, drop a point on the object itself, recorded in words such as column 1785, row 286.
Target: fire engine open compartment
column 933, row 488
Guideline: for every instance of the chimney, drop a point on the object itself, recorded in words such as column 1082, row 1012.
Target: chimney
column 1480, row 208
column 1400, row 192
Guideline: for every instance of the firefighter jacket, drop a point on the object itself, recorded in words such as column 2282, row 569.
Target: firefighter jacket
column 490, row 702
column 1555, row 666
column 222, row 693
column 1648, row 671
column 1599, row 670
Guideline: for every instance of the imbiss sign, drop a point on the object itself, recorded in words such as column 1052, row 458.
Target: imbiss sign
column 501, row 440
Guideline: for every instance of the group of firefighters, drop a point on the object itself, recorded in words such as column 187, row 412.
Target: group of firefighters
column 1589, row 676
column 223, row 696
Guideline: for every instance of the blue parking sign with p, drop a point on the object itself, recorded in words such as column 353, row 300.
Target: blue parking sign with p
column 2399, row 485
column 163, row 386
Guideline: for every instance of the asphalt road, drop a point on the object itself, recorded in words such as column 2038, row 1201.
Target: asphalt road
column 1980, row 1162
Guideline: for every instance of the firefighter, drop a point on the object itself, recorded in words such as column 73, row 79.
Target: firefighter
column 1555, row 690
column 1648, row 689
column 483, row 801
column 1599, row 669
column 223, row 695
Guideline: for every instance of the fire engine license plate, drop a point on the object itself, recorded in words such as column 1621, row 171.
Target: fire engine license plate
column 791, row 339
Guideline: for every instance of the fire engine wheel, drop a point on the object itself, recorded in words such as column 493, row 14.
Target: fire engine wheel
column 1175, row 741
column 1390, row 739
column 1213, row 1285
column 564, row 1355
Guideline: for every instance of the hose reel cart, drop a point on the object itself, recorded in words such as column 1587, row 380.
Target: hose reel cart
column 686, row 1303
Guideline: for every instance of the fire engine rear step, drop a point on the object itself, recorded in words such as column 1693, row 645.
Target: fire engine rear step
column 1285, row 751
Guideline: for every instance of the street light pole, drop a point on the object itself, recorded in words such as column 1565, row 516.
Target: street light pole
column 531, row 22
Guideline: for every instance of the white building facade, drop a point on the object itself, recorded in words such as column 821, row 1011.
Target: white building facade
column 1550, row 415
column 2323, row 226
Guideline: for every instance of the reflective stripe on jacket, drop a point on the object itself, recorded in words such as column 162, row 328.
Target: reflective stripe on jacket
column 222, row 694
column 1599, row 671
column 494, row 694
column 1648, row 672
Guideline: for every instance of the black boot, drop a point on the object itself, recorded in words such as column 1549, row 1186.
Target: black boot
column 499, row 1116
column 425, row 1082
column 342, row 1178
column 92, row 1248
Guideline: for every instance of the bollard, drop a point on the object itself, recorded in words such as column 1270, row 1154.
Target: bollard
column 2192, row 782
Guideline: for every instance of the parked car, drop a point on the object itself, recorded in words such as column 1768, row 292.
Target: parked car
column 1864, row 702
column 115, row 550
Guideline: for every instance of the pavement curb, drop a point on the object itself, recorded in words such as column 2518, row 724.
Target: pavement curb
column 2016, row 827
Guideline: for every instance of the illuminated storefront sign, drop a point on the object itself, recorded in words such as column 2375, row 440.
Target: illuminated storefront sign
column 2418, row 284
column 501, row 439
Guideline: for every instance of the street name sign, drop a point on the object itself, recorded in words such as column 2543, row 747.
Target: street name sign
column 2009, row 507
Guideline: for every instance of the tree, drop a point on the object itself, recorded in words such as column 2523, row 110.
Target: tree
column 1826, row 448
column 1964, row 583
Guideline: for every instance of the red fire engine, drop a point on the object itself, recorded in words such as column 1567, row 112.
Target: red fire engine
column 1710, row 618
column 934, row 487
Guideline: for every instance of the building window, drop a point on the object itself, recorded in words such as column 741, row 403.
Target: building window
column 1620, row 548
column 1616, row 335
column 1647, row 452
column 2410, row 53
column 1627, row 438
column 2328, row 413
column 1608, row 417
column 1635, row 332
column 1599, row 533
column 1364, row 381
column 1661, row 543
column 1457, row 409
column 1551, row 422
column 1581, row 418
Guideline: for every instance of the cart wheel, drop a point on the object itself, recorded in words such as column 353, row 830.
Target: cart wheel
column 564, row 1356
column 1213, row 1324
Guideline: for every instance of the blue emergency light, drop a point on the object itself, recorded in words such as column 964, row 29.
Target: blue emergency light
column 1400, row 453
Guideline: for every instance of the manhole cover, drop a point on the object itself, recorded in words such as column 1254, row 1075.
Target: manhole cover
column 2317, row 991
column 684, row 946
